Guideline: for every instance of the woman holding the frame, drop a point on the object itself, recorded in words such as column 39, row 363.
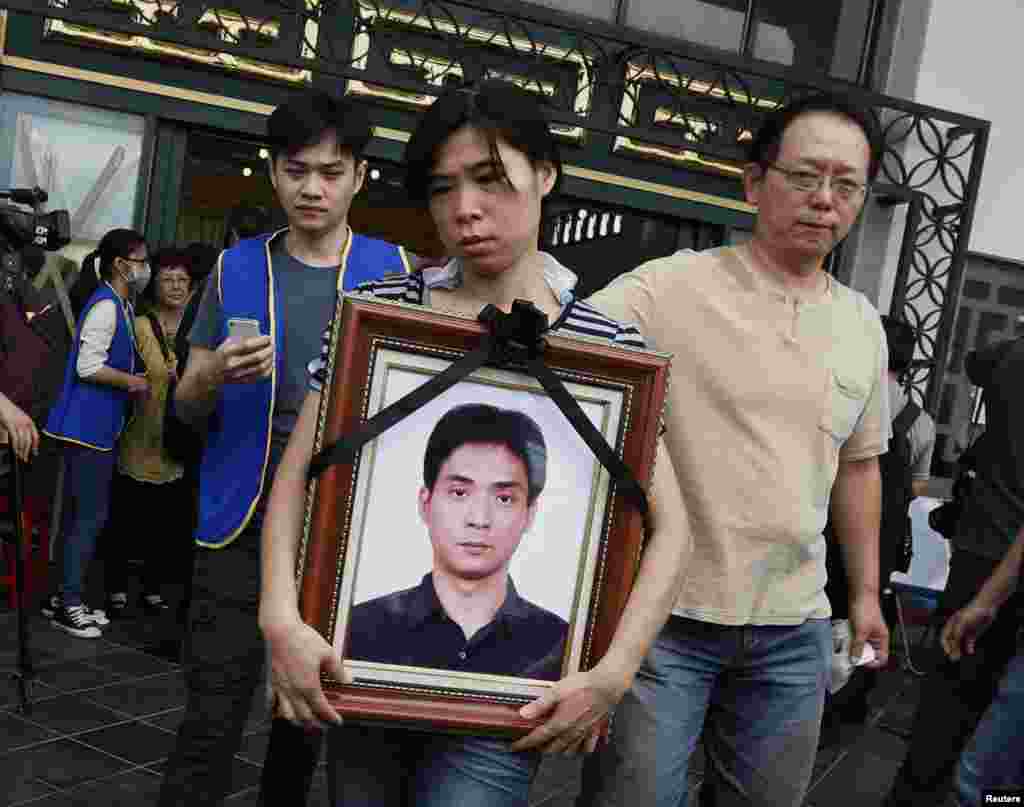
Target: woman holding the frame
column 482, row 160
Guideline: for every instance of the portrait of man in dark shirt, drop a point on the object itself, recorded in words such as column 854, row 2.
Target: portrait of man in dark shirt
column 483, row 470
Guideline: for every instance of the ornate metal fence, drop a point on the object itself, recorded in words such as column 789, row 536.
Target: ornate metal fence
column 622, row 100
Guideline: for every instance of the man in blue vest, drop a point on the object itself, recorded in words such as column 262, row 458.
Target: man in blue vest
column 261, row 317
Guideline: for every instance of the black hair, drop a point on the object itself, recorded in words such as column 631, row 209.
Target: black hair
column 202, row 259
column 245, row 220
column 981, row 364
column 120, row 243
column 764, row 148
column 307, row 118
column 99, row 264
column 166, row 258
column 496, row 109
column 902, row 340
column 483, row 423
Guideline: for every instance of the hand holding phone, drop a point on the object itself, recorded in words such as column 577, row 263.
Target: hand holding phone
column 248, row 355
column 240, row 328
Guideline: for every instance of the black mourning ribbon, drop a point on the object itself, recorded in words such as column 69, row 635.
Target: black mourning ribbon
column 513, row 338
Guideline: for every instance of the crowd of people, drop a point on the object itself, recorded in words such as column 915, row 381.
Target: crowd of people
column 122, row 465
column 190, row 405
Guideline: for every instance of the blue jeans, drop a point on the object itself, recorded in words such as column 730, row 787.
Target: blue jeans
column 994, row 758
column 88, row 474
column 955, row 694
column 757, row 692
column 369, row 767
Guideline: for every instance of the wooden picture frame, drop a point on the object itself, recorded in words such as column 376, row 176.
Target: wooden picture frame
column 364, row 535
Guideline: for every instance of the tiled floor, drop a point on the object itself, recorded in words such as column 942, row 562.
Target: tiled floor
column 105, row 711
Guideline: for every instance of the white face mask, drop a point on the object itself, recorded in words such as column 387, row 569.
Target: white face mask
column 139, row 279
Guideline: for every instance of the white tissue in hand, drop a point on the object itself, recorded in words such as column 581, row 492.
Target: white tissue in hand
column 841, row 668
column 867, row 655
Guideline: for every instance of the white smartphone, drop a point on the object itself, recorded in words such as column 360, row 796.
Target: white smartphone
column 241, row 328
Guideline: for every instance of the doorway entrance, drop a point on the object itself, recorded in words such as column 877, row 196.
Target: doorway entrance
column 598, row 242
column 220, row 170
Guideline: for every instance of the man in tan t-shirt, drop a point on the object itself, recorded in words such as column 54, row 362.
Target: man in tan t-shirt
column 777, row 406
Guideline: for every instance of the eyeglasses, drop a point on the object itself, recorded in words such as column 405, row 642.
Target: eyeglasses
column 144, row 261
column 846, row 190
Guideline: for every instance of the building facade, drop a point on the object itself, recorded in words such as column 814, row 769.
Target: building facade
column 971, row 76
column 150, row 113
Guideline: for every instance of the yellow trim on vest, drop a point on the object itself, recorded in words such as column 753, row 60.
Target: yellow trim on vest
column 405, row 259
column 230, row 539
column 81, row 443
column 346, row 250
column 220, row 278
column 135, row 348
column 343, row 266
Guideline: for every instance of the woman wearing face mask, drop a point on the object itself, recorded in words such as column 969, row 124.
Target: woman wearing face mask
column 100, row 381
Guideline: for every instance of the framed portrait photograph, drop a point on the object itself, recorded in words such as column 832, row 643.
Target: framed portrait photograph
column 484, row 494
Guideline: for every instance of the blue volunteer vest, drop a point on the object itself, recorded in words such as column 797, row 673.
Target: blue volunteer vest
column 233, row 471
column 90, row 414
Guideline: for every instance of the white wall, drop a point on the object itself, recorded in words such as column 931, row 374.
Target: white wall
column 971, row 64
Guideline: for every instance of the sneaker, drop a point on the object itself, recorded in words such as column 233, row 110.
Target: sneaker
column 52, row 605
column 153, row 603
column 117, row 604
column 73, row 620
column 97, row 615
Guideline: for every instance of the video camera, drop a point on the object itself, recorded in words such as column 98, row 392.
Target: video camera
column 24, row 235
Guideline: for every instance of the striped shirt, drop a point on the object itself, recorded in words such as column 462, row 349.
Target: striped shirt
column 577, row 317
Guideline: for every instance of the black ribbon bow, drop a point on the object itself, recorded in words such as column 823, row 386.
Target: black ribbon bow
column 513, row 338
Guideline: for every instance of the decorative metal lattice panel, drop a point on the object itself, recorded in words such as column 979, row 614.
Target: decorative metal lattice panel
column 940, row 163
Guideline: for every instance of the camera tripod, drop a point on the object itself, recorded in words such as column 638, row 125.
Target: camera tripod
column 25, row 672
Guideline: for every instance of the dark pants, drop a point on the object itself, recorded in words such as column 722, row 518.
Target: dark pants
column 149, row 522
column 223, row 675
column 994, row 758
column 954, row 695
